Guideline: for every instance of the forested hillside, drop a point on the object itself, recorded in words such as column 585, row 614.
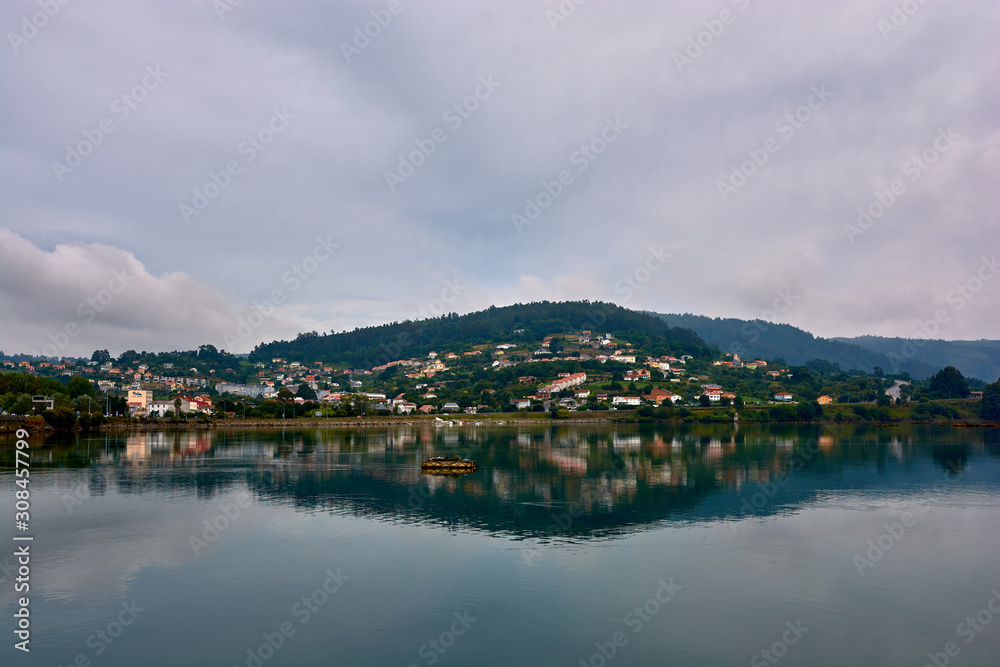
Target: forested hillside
column 371, row 346
column 767, row 340
column 975, row 358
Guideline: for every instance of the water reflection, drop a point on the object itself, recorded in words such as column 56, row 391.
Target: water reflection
column 613, row 479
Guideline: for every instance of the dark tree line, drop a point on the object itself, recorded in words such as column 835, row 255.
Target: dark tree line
column 373, row 346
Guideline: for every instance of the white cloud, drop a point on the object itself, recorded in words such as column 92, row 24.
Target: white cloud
column 82, row 296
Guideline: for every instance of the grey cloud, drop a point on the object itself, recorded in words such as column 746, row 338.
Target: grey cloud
column 658, row 183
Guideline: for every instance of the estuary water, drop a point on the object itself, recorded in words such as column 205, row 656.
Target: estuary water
column 570, row 545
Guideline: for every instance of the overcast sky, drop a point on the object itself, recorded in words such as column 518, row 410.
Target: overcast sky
column 172, row 169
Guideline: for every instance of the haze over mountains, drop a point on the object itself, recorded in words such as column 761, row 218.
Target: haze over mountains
column 768, row 340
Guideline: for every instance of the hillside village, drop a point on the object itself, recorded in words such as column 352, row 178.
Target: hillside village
column 575, row 371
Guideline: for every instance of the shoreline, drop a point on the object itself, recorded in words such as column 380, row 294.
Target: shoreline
column 491, row 420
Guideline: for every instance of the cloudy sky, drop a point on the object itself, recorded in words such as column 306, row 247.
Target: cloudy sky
column 192, row 172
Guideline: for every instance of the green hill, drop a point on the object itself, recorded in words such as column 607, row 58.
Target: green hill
column 766, row 340
column 975, row 358
column 372, row 346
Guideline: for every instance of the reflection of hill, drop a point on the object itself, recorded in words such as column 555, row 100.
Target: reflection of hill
column 612, row 479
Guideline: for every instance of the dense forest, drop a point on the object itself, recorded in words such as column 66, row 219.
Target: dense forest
column 758, row 339
column 373, row 346
column 975, row 358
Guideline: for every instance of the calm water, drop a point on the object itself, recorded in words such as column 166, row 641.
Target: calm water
column 570, row 545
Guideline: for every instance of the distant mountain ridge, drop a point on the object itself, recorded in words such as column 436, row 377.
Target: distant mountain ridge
column 681, row 333
column 919, row 358
column 975, row 358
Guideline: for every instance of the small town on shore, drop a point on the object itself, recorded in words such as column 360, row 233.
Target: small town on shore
column 581, row 374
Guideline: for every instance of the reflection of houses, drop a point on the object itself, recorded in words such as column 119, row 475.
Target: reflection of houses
column 575, row 464
column 626, row 441
column 196, row 443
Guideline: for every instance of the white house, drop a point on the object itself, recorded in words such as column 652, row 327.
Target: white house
column 160, row 408
column 626, row 400
column 783, row 396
